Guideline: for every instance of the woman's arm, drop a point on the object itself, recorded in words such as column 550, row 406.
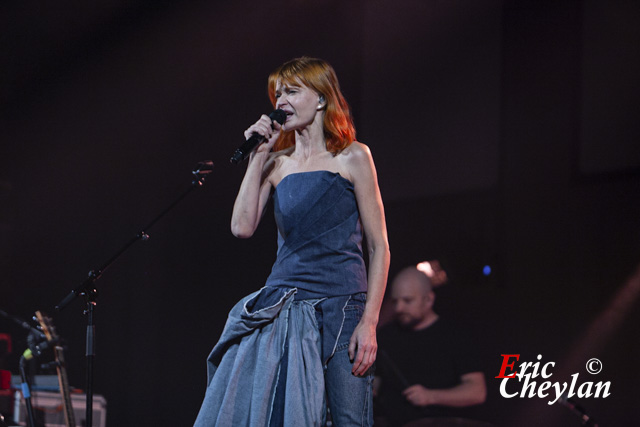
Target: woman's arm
column 363, row 346
column 256, row 187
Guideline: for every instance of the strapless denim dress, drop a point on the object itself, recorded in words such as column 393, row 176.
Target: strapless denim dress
column 279, row 340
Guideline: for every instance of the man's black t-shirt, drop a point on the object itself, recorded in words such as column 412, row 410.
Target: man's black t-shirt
column 435, row 357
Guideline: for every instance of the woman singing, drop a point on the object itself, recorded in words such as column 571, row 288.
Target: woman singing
column 309, row 335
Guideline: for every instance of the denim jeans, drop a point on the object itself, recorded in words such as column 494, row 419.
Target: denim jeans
column 349, row 397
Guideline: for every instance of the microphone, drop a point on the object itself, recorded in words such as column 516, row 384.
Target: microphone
column 256, row 139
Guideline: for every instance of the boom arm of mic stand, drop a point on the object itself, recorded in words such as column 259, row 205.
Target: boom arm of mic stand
column 87, row 287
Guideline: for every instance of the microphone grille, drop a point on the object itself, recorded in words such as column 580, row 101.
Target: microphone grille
column 278, row 115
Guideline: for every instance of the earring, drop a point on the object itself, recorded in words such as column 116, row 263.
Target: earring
column 321, row 99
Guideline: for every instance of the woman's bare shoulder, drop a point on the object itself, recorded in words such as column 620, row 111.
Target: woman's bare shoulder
column 355, row 155
column 355, row 160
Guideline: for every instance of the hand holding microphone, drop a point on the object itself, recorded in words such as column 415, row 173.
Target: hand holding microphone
column 262, row 130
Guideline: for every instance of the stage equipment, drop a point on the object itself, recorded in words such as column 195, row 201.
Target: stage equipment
column 89, row 290
column 49, row 331
column 23, row 324
column 578, row 411
column 434, row 271
column 50, row 403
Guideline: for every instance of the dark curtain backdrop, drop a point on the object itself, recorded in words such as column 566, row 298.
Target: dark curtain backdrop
column 503, row 132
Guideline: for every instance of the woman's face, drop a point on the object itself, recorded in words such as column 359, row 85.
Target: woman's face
column 299, row 102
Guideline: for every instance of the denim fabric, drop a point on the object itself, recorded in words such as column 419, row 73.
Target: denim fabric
column 280, row 346
column 319, row 236
column 243, row 365
column 349, row 397
column 283, row 342
column 299, row 398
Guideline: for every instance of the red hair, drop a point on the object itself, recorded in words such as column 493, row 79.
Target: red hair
column 318, row 75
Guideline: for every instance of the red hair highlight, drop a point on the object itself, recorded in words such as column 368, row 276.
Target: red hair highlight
column 318, row 75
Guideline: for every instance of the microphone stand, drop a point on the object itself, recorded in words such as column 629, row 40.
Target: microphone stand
column 23, row 324
column 26, row 392
column 33, row 350
column 89, row 290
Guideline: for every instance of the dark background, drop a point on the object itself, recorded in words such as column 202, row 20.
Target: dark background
column 504, row 133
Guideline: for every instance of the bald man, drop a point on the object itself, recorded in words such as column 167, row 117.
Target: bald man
column 426, row 366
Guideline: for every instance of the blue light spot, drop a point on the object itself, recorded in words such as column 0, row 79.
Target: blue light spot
column 486, row 270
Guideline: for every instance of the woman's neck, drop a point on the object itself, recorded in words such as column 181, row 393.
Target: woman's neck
column 310, row 141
